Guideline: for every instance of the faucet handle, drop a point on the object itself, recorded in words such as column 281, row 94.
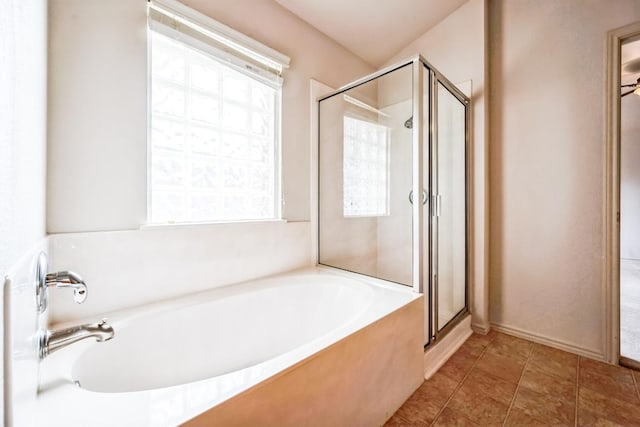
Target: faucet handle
column 68, row 279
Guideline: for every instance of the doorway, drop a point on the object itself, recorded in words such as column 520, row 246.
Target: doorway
column 621, row 297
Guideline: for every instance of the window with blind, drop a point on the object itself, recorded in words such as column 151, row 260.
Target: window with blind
column 215, row 114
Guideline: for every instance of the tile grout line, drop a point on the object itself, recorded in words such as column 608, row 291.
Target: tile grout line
column 515, row 393
column 461, row 382
column 575, row 414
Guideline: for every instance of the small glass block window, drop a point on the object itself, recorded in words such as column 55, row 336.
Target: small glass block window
column 212, row 141
column 365, row 168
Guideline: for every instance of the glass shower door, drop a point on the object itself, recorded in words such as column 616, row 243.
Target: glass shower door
column 365, row 176
column 449, row 206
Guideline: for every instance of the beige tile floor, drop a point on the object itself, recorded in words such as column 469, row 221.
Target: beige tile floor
column 499, row 380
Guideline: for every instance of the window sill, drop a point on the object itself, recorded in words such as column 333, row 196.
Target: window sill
column 183, row 225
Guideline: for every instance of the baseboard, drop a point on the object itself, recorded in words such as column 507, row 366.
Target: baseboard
column 551, row 342
column 436, row 356
column 482, row 329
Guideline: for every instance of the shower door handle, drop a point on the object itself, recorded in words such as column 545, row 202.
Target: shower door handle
column 436, row 203
column 424, row 197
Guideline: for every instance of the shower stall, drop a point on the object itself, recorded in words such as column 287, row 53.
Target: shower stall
column 393, row 185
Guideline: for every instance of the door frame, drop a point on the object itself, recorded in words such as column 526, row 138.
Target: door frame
column 611, row 211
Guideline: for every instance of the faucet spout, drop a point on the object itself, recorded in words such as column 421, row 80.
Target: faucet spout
column 55, row 340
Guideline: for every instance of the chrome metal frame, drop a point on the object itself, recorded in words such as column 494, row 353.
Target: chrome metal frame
column 417, row 175
column 466, row 103
column 417, row 188
column 368, row 78
column 434, row 212
column 420, row 67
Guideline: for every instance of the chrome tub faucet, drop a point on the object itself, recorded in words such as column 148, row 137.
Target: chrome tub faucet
column 51, row 341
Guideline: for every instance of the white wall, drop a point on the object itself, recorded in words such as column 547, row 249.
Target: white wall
column 456, row 47
column 23, row 59
column 97, row 160
column 547, row 104
column 23, row 56
column 630, row 177
column 124, row 269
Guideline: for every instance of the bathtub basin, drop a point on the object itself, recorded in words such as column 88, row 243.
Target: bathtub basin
column 221, row 356
column 290, row 316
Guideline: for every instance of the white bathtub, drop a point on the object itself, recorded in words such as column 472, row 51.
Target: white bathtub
column 171, row 362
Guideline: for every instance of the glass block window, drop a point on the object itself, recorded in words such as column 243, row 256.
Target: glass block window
column 365, row 168
column 213, row 138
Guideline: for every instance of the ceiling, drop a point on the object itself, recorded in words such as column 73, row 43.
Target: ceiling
column 374, row 30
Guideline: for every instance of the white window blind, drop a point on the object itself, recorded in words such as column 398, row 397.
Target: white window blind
column 214, row 124
column 179, row 22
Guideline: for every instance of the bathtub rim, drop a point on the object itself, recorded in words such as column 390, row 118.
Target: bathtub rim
column 193, row 298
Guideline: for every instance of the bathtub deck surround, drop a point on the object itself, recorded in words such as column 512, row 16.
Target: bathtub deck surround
column 357, row 381
column 352, row 338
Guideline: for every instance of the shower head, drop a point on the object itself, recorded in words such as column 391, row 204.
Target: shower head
column 409, row 123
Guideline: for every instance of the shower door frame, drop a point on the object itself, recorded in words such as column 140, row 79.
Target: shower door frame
column 435, row 78
column 420, row 66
